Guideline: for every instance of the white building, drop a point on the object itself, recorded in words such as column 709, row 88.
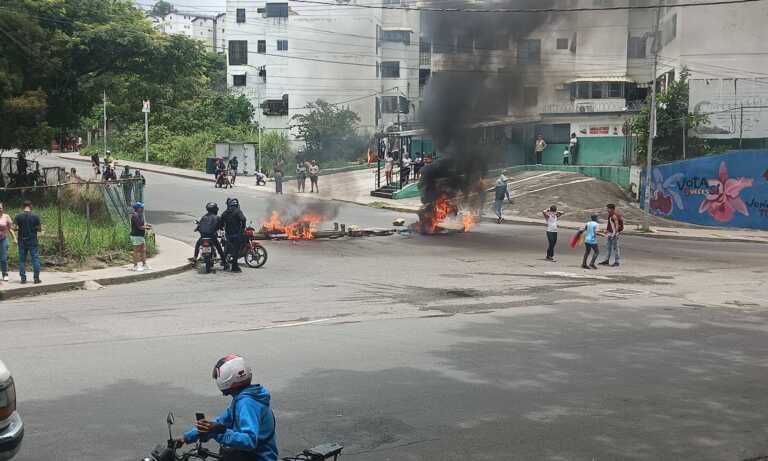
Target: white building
column 285, row 55
column 207, row 29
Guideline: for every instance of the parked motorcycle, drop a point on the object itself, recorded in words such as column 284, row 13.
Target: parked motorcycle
column 171, row 451
column 253, row 252
column 207, row 253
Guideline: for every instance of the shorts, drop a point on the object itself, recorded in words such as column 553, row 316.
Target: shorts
column 137, row 240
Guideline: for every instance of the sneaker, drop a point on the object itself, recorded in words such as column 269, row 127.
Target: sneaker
column 147, row 267
column 5, row 277
column 592, row 266
column 138, row 268
column 604, row 263
column 584, row 266
column 38, row 281
column 615, row 265
column 236, row 270
column 23, row 280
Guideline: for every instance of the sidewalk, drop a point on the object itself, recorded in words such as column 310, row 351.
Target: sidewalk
column 171, row 259
column 354, row 187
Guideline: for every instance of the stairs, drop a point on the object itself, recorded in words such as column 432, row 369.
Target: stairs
column 385, row 192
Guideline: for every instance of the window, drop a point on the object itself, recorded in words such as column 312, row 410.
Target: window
column 582, row 90
column 282, row 45
column 277, row 10
column 390, row 69
column 615, row 90
column 261, row 46
column 276, row 107
column 391, row 2
column 529, row 52
column 377, row 69
column 263, row 73
column 389, row 104
column 424, row 75
column 240, row 15
column 238, row 52
column 530, row 96
column 562, row 43
column 636, row 47
column 597, row 90
column 238, row 80
column 398, row 36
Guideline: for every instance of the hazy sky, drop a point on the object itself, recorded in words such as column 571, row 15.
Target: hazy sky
column 198, row 6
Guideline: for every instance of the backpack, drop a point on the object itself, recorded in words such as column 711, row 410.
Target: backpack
column 208, row 225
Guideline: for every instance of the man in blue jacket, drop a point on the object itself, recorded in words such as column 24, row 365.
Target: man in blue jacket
column 246, row 429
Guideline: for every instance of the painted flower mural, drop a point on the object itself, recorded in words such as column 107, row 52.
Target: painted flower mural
column 664, row 196
column 723, row 199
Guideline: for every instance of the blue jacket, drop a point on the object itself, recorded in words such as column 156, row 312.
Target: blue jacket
column 252, row 429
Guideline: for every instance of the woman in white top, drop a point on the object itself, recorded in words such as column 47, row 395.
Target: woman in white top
column 6, row 227
column 389, row 165
column 551, row 217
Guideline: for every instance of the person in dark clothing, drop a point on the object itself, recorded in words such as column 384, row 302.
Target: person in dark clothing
column 233, row 164
column 208, row 225
column 96, row 164
column 27, row 226
column 139, row 228
column 279, row 173
column 127, row 183
column 139, row 182
column 233, row 221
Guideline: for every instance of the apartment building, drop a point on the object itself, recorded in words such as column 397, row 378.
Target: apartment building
column 285, row 55
column 207, row 29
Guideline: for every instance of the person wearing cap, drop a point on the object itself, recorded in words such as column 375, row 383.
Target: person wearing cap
column 246, row 429
column 139, row 230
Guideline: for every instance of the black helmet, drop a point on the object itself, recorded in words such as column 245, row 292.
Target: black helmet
column 211, row 207
column 233, row 203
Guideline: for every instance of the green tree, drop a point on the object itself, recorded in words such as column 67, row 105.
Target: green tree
column 672, row 118
column 329, row 132
column 160, row 9
column 274, row 145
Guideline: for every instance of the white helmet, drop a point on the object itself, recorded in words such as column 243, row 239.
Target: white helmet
column 231, row 373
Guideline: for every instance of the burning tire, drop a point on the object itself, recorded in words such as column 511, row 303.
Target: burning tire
column 256, row 257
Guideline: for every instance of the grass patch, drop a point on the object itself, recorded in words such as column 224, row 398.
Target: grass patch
column 109, row 245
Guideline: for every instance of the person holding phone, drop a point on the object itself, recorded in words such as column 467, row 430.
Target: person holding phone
column 246, row 429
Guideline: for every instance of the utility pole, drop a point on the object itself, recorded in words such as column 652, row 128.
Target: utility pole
column 741, row 124
column 685, row 132
column 652, row 124
column 105, row 123
column 146, row 109
column 259, row 148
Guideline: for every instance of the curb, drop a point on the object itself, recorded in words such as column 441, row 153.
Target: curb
column 627, row 233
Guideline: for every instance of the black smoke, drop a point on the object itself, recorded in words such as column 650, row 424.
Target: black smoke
column 478, row 80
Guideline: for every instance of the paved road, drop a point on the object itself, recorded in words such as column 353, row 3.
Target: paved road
column 455, row 347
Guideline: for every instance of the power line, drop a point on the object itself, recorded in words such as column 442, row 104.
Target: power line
column 521, row 10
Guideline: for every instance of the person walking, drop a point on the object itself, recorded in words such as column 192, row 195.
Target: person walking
column 501, row 191
column 314, row 172
column 301, row 175
column 279, row 165
column 573, row 148
column 539, row 148
column 232, row 166
column 139, row 229
column 614, row 228
column 590, row 242
column 551, row 216
column 6, row 227
column 27, row 226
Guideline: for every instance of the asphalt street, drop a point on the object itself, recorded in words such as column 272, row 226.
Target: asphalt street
column 452, row 347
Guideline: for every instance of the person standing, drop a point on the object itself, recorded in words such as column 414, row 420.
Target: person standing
column 573, row 148
column 614, row 228
column 590, row 242
column 96, row 165
column 6, row 227
column 233, row 220
column 139, row 229
column 28, row 225
column 279, row 176
column 501, row 192
column 389, row 166
column 233, row 164
column 539, row 148
column 139, row 181
column 405, row 170
column 566, row 157
column 314, row 172
column 127, row 182
column 301, row 175
column 551, row 216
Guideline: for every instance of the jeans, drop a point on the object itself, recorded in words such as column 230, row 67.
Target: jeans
column 497, row 207
column 587, row 248
column 278, row 185
column 4, row 255
column 613, row 248
column 32, row 250
column 552, row 239
column 566, row 161
column 539, row 157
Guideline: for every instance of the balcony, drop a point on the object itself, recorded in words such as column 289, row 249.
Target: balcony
column 594, row 106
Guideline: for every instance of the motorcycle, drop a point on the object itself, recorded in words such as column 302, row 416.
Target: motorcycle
column 171, row 451
column 207, row 253
column 252, row 251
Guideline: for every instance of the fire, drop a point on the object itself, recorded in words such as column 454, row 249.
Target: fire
column 469, row 221
column 435, row 213
column 303, row 228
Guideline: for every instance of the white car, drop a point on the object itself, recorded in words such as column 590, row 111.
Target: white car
column 11, row 427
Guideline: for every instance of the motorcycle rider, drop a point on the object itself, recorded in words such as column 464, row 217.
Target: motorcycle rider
column 246, row 429
column 234, row 220
column 207, row 226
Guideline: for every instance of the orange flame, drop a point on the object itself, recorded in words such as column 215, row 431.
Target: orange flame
column 439, row 210
column 301, row 229
column 469, row 221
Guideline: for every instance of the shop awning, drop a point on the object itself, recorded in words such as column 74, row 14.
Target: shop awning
column 608, row 78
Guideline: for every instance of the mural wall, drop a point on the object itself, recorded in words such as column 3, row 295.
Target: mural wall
column 728, row 190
